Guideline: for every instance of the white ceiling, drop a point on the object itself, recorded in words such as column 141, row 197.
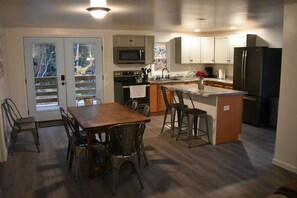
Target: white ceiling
column 158, row 15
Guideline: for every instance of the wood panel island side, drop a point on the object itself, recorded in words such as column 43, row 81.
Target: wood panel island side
column 223, row 106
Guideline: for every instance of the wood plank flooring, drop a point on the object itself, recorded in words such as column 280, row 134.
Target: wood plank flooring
column 240, row 169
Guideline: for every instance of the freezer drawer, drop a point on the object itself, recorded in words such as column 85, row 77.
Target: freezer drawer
column 252, row 110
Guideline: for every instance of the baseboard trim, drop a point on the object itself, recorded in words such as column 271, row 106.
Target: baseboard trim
column 285, row 165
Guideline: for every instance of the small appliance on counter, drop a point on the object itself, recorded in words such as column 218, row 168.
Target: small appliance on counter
column 222, row 73
column 209, row 71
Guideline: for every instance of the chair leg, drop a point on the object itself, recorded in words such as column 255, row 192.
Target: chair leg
column 68, row 151
column 164, row 121
column 195, row 125
column 144, row 153
column 13, row 139
column 173, row 110
column 134, row 161
column 70, row 160
column 35, row 139
column 115, row 175
column 179, row 126
column 37, row 132
column 190, row 128
column 207, row 129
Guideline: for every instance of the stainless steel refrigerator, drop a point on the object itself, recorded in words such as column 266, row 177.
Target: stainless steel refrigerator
column 257, row 71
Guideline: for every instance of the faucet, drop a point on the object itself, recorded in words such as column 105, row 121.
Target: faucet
column 163, row 71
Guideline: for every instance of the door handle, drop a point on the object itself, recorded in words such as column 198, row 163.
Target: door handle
column 62, row 77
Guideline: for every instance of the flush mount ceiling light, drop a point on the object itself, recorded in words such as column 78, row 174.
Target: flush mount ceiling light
column 199, row 29
column 98, row 9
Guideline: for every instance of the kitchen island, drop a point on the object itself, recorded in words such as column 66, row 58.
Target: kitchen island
column 223, row 106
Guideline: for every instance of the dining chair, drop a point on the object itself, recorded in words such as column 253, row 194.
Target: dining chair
column 173, row 108
column 192, row 115
column 77, row 143
column 122, row 147
column 17, row 126
column 18, row 116
column 88, row 101
column 144, row 109
column 132, row 103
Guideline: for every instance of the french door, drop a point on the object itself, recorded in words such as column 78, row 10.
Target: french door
column 60, row 72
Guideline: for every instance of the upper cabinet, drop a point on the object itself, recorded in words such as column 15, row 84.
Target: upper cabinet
column 187, row 50
column 224, row 46
column 128, row 40
column 207, row 49
column 149, row 49
column 210, row 50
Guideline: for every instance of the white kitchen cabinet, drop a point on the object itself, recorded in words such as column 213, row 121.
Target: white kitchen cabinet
column 187, row 50
column 128, row 40
column 224, row 48
column 149, row 49
column 207, row 49
column 236, row 41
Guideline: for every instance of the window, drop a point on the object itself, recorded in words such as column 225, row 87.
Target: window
column 160, row 56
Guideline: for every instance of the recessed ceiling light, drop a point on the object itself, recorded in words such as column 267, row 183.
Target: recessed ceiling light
column 232, row 28
column 197, row 30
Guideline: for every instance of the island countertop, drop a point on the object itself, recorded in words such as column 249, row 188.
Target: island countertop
column 225, row 81
column 207, row 92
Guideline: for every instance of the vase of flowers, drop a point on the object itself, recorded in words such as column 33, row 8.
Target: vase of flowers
column 201, row 75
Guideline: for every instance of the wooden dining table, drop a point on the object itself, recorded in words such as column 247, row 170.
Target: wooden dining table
column 98, row 118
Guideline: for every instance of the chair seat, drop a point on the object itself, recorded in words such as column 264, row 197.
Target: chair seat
column 194, row 111
column 27, row 126
column 83, row 142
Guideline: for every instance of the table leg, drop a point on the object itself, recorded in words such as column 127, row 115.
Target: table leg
column 90, row 155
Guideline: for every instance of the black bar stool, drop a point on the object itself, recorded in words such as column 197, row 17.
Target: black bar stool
column 192, row 115
column 175, row 107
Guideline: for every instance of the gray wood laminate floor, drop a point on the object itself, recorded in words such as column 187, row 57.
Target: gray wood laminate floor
column 239, row 169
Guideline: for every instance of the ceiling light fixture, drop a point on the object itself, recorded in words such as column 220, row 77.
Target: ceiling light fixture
column 98, row 9
column 199, row 29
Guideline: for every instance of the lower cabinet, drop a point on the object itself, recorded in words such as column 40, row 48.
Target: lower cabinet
column 157, row 103
column 218, row 84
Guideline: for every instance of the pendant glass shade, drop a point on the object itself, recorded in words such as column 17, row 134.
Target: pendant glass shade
column 98, row 8
column 98, row 12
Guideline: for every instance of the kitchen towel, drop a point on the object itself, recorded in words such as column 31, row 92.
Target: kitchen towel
column 137, row 91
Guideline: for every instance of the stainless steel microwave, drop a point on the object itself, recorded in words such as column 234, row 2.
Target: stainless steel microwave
column 129, row 55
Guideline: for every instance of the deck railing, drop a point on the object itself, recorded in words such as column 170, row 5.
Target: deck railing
column 46, row 89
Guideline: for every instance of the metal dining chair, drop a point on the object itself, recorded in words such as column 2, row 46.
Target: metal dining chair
column 17, row 126
column 192, row 115
column 122, row 148
column 132, row 103
column 77, row 143
column 144, row 109
column 88, row 101
column 17, row 116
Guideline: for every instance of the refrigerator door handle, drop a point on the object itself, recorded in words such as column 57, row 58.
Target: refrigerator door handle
column 249, row 98
column 242, row 70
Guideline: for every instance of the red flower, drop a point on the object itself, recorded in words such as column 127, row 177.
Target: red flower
column 201, row 73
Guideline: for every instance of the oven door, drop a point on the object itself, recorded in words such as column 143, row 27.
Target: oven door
column 122, row 94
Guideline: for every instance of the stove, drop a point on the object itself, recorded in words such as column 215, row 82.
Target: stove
column 122, row 82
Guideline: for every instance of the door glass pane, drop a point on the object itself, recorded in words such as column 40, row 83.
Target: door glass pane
column 45, row 76
column 85, row 71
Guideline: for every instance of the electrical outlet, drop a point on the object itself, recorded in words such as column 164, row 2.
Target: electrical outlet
column 227, row 108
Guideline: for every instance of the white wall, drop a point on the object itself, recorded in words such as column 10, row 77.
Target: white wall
column 286, row 136
column 3, row 94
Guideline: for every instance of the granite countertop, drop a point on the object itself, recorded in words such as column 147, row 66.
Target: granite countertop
column 207, row 92
column 226, row 81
